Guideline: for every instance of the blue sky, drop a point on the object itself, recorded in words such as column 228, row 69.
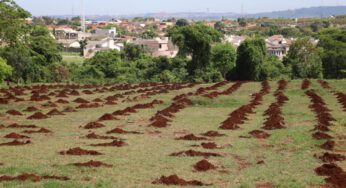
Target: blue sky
column 119, row 7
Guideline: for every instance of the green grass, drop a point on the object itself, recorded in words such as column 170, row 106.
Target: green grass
column 288, row 153
column 71, row 57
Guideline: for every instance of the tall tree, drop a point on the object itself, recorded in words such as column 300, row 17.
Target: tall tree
column 223, row 58
column 5, row 70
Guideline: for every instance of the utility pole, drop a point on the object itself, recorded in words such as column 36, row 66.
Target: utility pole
column 82, row 16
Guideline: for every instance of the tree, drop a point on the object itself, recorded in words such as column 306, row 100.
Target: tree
column 5, row 70
column 220, row 26
column 148, row 34
column 12, row 22
column 182, row 23
column 242, row 22
column 195, row 40
column 83, row 44
column 106, row 61
column 132, row 52
column 223, row 57
column 333, row 42
column 305, row 59
column 251, row 54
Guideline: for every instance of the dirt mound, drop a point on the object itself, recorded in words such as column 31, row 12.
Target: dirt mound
column 114, row 143
column 69, row 109
column 259, row 134
column 95, row 136
column 62, row 101
column 16, row 143
column 203, row 166
column 55, row 112
column 192, row 153
column 15, row 126
column 94, row 125
column 328, row 170
column 61, row 178
column 97, row 100
column 42, row 130
column 111, row 103
column 15, row 136
column 14, row 113
column 212, row 134
column 31, row 109
column 79, row 151
column 175, row 180
column 337, row 180
column 321, row 136
column 107, row 117
column 121, row 131
column 22, row 177
column 209, row 145
column 331, row 157
column 38, row 115
column 93, row 164
column 191, row 137
column 306, row 84
column 80, row 100
column 328, row 145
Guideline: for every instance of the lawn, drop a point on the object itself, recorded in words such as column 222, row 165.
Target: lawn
column 288, row 157
column 72, row 58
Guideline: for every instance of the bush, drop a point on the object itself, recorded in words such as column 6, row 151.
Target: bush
column 5, row 70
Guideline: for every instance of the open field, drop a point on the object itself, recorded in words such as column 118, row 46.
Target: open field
column 229, row 134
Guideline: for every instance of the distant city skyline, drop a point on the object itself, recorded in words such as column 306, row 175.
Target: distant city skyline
column 128, row 7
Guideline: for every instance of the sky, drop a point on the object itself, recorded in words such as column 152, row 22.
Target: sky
column 128, row 7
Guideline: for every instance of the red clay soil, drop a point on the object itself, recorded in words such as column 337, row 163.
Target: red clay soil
column 42, row 130
column 175, row 180
column 38, row 115
column 15, row 125
column 324, row 84
column 306, row 84
column 328, row 145
column 203, row 166
column 15, row 136
column 62, row 101
column 95, row 136
column 259, row 134
column 92, row 163
column 342, row 99
column 107, row 117
column 31, row 109
column 328, row 170
column 97, row 100
column 61, row 178
column 192, row 153
column 55, row 112
column 94, row 125
column 114, row 143
column 264, row 185
column 209, row 145
column 121, row 131
column 79, row 151
column 16, row 143
column 191, row 137
column 14, row 113
column 337, row 180
column 69, row 109
column 321, row 136
column 22, row 177
column 80, row 100
column 159, row 121
column 331, row 157
column 212, row 134
column 110, row 103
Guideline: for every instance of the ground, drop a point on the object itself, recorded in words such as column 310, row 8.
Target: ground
column 287, row 158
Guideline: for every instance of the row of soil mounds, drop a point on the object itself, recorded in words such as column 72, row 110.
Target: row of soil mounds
column 306, row 84
column 32, row 177
column 342, row 99
column 324, row 84
column 275, row 119
column 336, row 176
column 133, row 109
column 228, row 91
column 240, row 115
column 177, row 181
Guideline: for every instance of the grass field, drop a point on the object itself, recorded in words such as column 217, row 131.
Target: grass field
column 287, row 158
column 72, row 57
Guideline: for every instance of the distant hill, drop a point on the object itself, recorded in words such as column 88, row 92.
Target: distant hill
column 325, row 11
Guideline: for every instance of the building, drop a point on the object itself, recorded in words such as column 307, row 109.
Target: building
column 112, row 33
column 160, row 46
column 278, row 46
column 234, row 39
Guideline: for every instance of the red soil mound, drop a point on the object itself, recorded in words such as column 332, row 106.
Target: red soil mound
column 61, row 178
column 192, row 153
column 110, row 103
column 42, row 130
column 259, row 134
column 97, row 100
column 306, row 84
column 15, row 125
column 209, row 145
column 191, row 137
column 16, row 143
column 38, row 115
column 15, row 136
column 331, row 157
column 62, row 101
column 22, row 177
column 321, row 136
column 79, row 151
column 30, row 109
column 55, row 112
column 80, row 100
column 328, row 170
column 337, row 180
column 328, row 145
column 107, row 117
column 114, row 143
column 121, row 131
column 69, row 109
column 92, row 164
column 95, row 136
column 175, row 180
column 212, row 134
column 203, row 166
column 14, row 113
column 94, row 125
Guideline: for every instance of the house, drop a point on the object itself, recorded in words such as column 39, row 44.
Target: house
column 160, row 46
column 112, row 33
column 234, row 39
column 278, row 46
column 96, row 44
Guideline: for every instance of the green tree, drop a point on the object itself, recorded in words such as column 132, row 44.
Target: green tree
column 132, row 52
column 220, row 26
column 83, row 44
column 182, row 23
column 5, row 70
column 223, row 57
column 251, row 54
column 305, row 59
column 107, row 62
